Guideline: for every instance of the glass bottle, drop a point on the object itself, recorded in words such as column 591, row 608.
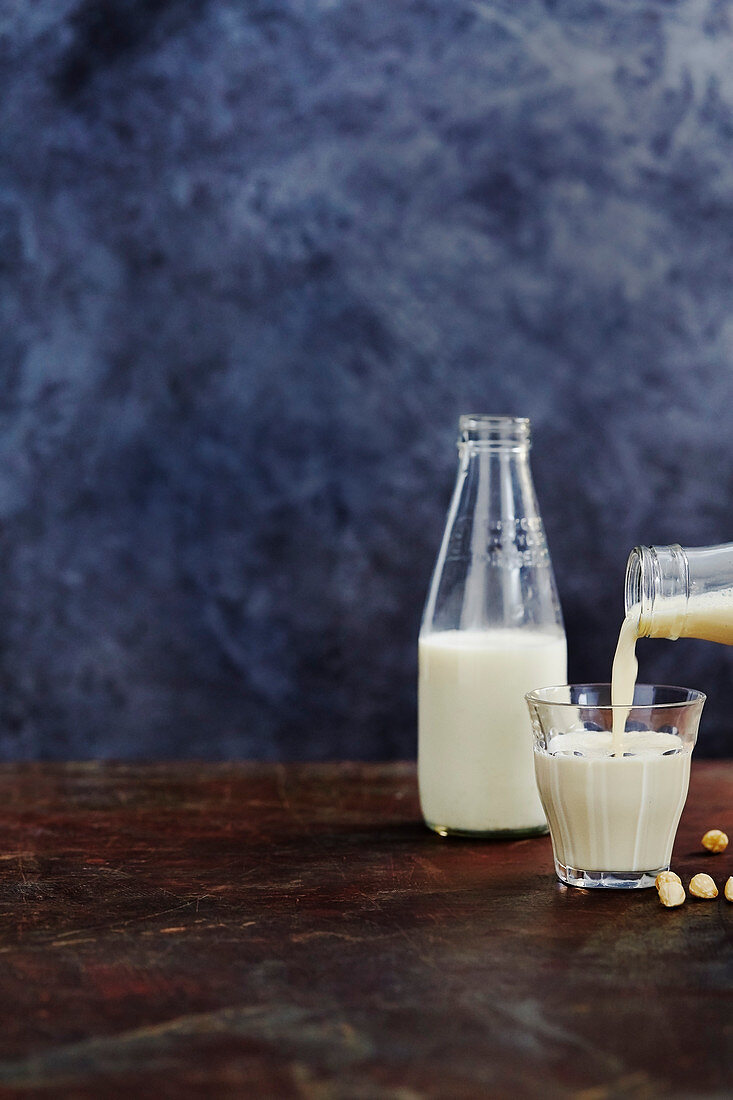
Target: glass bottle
column 492, row 630
column 679, row 592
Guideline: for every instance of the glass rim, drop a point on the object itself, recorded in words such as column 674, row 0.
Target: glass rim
column 539, row 696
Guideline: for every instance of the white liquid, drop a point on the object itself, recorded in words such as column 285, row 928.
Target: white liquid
column 708, row 616
column 610, row 813
column 475, row 767
column 623, row 676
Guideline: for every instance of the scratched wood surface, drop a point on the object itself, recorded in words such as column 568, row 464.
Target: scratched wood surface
column 293, row 931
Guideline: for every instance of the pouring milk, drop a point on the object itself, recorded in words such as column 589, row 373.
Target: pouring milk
column 613, row 798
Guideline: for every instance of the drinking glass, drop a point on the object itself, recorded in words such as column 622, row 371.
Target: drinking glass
column 613, row 817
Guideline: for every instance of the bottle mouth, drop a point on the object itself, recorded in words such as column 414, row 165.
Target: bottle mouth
column 495, row 432
column 653, row 574
column 632, row 584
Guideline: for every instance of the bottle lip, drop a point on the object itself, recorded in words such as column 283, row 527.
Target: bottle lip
column 633, row 581
column 653, row 573
column 494, row 432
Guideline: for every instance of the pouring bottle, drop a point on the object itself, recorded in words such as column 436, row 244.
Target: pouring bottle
column 677, row 592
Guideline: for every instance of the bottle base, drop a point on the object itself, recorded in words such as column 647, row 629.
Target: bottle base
column 613, row 880
column 489, row 834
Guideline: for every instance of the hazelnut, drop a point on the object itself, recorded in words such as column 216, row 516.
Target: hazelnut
column 666, row 876
column 702, row 886
column 671, row 893
column 715, row 840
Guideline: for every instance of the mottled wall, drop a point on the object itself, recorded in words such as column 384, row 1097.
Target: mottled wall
column 255, row 260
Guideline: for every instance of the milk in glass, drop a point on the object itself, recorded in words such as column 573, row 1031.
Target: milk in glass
column 614, row 813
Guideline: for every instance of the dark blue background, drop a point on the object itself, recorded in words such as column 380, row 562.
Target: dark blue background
column 255, row 260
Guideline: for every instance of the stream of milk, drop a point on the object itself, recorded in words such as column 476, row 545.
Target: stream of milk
column 623, row 677
column 708, row 616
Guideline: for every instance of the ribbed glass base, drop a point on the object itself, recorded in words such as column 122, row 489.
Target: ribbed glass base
column 614, row 880
column 489, row 834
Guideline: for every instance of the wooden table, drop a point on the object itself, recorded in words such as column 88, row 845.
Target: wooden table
column 260, row 930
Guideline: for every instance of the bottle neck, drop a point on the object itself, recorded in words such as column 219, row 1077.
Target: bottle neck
column 493, row 570
column 493, row 456
column 495, row 497
column 658, row 584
